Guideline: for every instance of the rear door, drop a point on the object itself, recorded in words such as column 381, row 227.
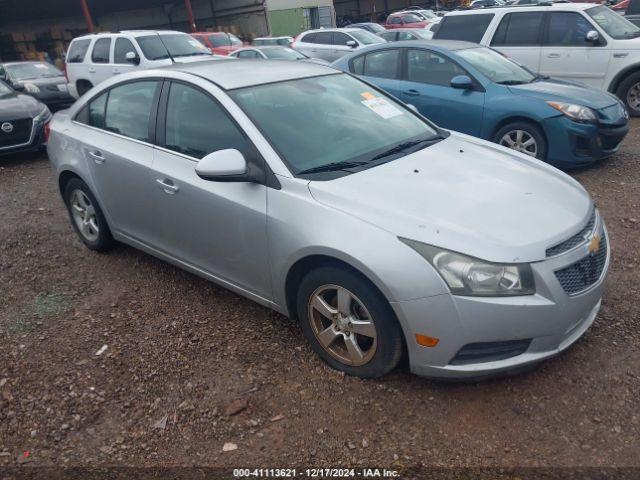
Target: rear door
column 426, row 84
column 468, row 28
column 100, row 67
column 117, row 145
column 382, row 68
column 519, row 37
column 566, row 53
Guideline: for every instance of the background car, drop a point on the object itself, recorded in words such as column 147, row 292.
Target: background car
column 219, row 43
column 23, row 121
column 405, row 20
column 476, row 90
column 40, row 80
column 282, row 41
column 332, row 43
column 372, row 27
column 400, row 34
column 274, row 53
column 91, row 59
column 486, row 3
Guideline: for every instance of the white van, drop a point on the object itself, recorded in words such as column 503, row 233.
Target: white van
column 93, row 58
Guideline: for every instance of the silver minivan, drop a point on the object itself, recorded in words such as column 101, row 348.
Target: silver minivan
column 331, row 44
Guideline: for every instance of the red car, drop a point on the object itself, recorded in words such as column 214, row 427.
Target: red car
column 405, row 20
column 620, row 6
column 219, row 43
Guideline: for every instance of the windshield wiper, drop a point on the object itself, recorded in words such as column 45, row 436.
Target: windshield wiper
column 401, row 147
column 631, row 34
column 331, row 167
column 512, row 82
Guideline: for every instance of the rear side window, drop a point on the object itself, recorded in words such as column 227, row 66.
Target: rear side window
column 395, row 20
column 518, row 29
column 100, row 52
column 77, row 51
column 325, row 38
column 470, row 28
column 197, row 126
column 121, row 48
column 567, row 29
column 382, row 64
column 309, row 38
column 247, row 54
column 129, row 108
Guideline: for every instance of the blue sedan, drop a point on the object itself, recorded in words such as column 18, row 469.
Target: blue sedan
column 478, row 91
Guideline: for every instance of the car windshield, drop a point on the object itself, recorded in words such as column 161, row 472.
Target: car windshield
column 26, row 71
column 330, row 120
column 4, row 90
column 428, row 14
column 377, row 28
column 411, row 18
column 614, row 24
column 282, row 53
column 496, row 67
column 426, row 34
column 366, row 38
column 158, row 47
column 224, row 40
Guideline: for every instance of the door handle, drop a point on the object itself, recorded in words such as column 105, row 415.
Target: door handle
column 553, row 55
column 167, row 185
column 92, row 70
column 412, row 93
column 97, row 157
column 116, row 71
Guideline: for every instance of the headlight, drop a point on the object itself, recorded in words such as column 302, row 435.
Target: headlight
column 474, row 277
column 577, row 113
column 31, row 88
column 44, row 114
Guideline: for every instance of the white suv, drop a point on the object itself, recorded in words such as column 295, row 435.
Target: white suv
column 580, row 42
column 94, row 58
column 332, row 43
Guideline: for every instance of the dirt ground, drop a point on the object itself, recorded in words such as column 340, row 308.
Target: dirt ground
column 189, row 366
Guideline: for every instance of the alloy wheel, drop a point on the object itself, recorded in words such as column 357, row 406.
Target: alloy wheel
column 342, row 324
column 521, row 141
column 84, row 215
column 633, row 97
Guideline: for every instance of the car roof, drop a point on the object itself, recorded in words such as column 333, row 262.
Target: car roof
column 109, row 34
column 402, row 29
column 247, row 73
column 526, row 8
column 343, row 29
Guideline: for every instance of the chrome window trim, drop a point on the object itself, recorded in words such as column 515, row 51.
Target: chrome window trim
column 28, row 142
column 117, row 135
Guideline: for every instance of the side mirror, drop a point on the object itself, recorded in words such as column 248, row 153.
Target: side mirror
column 461, row 82
column 17, row 86
column 132, row 57
column 223, row 166
column 592, row 36
column 352, row 44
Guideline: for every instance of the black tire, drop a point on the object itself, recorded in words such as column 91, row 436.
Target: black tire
column 83, row 87
column 528, row 127
column 389, row 344
column 104, row 240
column 623, row 93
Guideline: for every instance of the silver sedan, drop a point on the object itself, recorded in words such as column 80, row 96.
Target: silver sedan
column 319, row 196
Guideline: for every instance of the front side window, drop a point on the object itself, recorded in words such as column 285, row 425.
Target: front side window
column 100, row 52
column 405, row 36
column 470, row 28
column 77, row 51
column 614, row 24
column 389, row 36
column 340, row 38
column 197, row 126
column 518, row 29
column 496, row 67
column 395, row 21
column 335, row 106
column 162, row 46
column 129, row 108
column 567, row 29
column 382, row 64
column 219, row 41
column 248, row 54
column 424, row 66
column 121, row 48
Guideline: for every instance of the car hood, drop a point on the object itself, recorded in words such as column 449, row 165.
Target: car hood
column 465, row 195
column 44, row 81
column 559, row 91
column 15, row 106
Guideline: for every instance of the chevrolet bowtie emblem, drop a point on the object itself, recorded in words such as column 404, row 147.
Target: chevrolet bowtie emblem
column 594, row 244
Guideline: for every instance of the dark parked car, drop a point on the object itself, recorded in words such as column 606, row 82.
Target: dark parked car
column 369, row 27
column 40, row 80
column 22, row 121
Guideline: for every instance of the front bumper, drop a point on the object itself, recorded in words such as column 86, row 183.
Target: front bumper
column 573, row 144
column 550, row 321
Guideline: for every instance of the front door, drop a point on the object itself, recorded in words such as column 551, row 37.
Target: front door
column 216, row 227
column 566, row 53
column 427, row 86
column 120, row 50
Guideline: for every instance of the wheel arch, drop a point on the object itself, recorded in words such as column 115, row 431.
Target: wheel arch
column 518, row 118
column 64, row 178
column 621, row 75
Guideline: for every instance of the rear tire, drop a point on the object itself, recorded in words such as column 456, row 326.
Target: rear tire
column 86, row 216
column 629, row 92
column 348, row 323
column 524, row 137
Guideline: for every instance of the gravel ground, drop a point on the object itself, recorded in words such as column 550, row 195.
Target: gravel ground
column 189, row 366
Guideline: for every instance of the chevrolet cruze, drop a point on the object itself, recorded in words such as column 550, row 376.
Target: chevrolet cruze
column 317, row 195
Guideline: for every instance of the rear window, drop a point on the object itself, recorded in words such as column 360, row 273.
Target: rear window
column 77, row 51
column 469, row 28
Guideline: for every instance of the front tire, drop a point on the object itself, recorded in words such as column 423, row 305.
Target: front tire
column 348, row 323
column 86, row 216
column 524, row 137
column 629, row 92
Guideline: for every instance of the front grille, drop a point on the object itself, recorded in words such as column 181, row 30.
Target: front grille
column 20, row 134
column 574, row 241
column 581, row 275
column 489, row 351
